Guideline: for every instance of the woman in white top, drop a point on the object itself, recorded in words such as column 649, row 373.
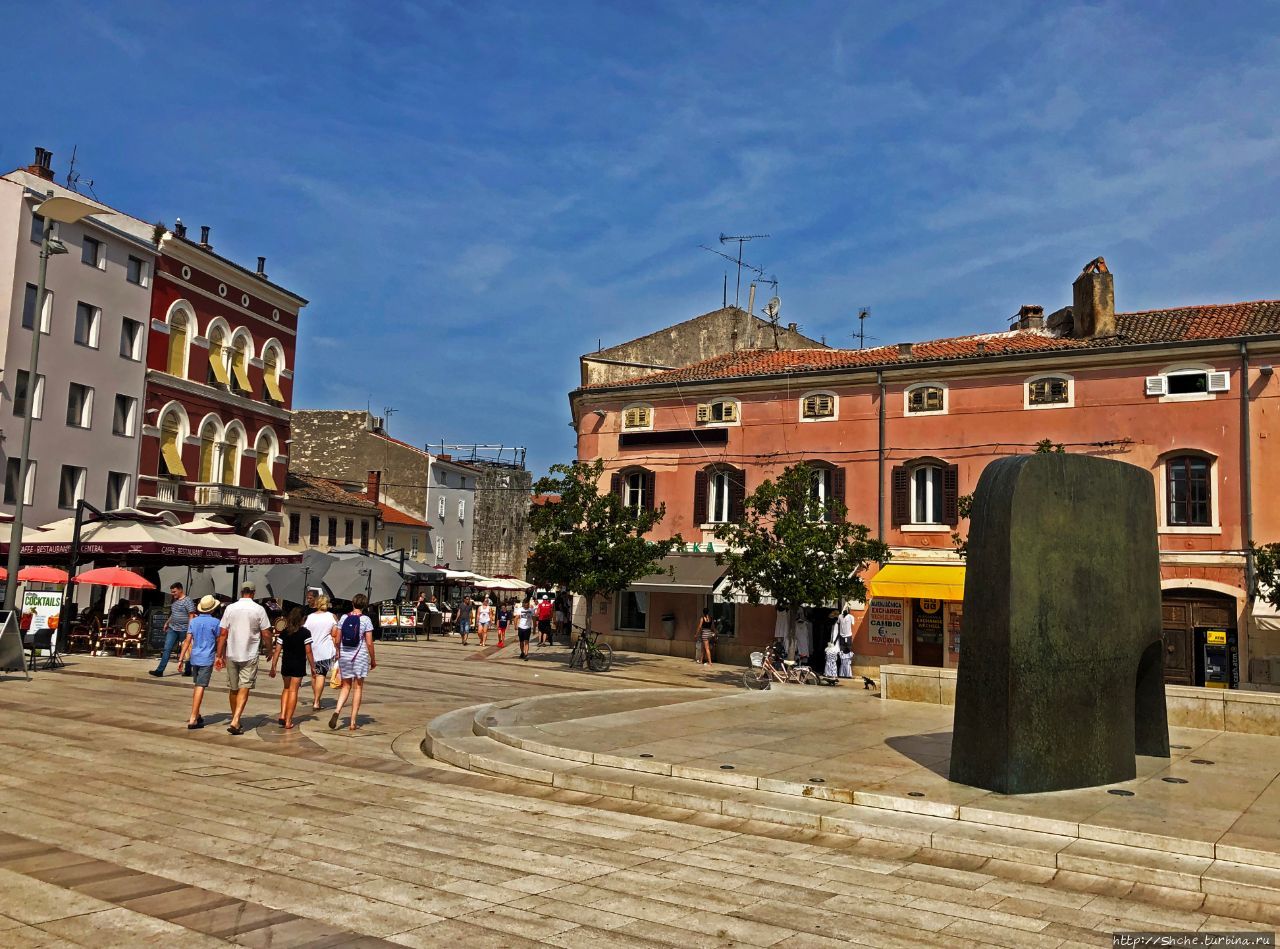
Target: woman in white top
column 524, row 627
column 321, row 652
column 483, row 615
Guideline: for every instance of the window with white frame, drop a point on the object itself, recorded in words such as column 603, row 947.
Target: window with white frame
column 719, row 412
column 1188, row 382
column 71, row 486
column 458, row 546
column 117, row 490
column 91, row 252
column 181, row 329
column 633, row 492
column 413, row 547
column 720, row 495
column 1189, row 491
column 1053, row 390
column 440, row 505
column 29, row 308
column 462, row 510
column 389, row 544
column 637, row 418
column 131, row 339
column 88, row 317
column 439, row 549
column 21, row 387
column 136, row 271
column 818, row 406
column 926, row 495
column 11, row 482
column 79, row 405
column 37, row 229
column 925, row 398
column 124, row 420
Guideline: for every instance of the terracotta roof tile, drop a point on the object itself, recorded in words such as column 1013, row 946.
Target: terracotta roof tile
column 1182, row 324
column 391, row 516
column 310, row 488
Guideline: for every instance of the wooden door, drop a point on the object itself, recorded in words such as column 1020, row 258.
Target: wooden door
column 1179, row 666
column 926, row 633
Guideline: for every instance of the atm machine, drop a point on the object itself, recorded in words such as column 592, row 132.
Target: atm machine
column 1219, row 658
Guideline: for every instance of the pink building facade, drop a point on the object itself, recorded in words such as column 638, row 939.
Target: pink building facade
column 902, row 433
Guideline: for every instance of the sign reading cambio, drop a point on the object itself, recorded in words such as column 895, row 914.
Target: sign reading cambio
column 885, row 622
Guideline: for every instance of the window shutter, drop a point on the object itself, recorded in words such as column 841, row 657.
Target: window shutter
column 729, row 411
column 650, row 482
column 615, row 485
column 951, row 495
column 900, row 496
column 810, row 409
column 1156, row 385
column 704, row 412
column 1219, row 382
column 737, row 495
column 837, row 485
column 700, row 495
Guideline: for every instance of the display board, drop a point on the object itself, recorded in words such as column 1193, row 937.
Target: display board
column 43, row 607
column 12, row 658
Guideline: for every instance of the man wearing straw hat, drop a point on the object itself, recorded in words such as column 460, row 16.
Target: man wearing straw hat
column 244, row 624
column 198, row 652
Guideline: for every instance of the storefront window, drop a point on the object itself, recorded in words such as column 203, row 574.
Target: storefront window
column 726, row 617
column 633, row 611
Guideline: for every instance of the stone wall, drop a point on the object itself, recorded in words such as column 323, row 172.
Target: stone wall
column 500, row 531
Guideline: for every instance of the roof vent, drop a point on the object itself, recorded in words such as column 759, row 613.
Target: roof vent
column 904, row 350
column 262, row 267
column 981, row 347
column 42, row 167
column 204, row 237
column 179, row 228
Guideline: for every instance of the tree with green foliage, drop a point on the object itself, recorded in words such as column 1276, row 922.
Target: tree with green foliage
column 1266, row 573
column 590, row 542
column 796, row 547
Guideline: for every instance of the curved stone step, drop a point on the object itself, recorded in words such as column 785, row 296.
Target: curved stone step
column 456, row 724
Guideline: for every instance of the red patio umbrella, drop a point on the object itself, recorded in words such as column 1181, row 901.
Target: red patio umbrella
column 42, row 575
column 114, row 577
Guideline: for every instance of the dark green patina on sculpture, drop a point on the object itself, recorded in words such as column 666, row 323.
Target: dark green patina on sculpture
column 1061, row 678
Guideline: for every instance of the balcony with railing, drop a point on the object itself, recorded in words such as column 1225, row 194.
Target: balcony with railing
column 229, row 497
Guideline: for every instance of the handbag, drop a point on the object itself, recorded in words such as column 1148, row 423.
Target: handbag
column 335, row 674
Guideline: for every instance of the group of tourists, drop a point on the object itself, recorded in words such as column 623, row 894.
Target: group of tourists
column 528, row 614
column 308, row 639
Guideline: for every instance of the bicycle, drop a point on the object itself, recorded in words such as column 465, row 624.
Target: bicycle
column 764, row 671
column 591, row 653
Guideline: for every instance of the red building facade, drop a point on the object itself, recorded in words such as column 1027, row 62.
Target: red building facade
column 901, row 433
column 219, row 388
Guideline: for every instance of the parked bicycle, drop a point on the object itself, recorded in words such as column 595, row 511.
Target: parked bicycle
column 588, row 651
column 769, row 666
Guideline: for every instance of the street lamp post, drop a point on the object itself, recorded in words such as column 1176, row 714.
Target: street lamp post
column 53, row 210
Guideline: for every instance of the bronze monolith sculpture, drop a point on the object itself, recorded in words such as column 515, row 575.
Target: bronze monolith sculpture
column 1060, row 681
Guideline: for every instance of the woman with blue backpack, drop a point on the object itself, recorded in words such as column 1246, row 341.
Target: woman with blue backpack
column 354, row 639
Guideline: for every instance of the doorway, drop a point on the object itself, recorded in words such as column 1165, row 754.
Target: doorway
column 1192, row 620
column 926, row 633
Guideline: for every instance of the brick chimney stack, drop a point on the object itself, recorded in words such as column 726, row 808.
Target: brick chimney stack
column 1030, row 317
column 42, row 167
column 373, row 486
column 1093, row 302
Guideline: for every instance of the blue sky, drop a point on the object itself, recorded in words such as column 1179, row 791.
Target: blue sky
column 471, row 194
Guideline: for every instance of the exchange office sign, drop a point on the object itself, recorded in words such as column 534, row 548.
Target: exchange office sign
column 885, row 622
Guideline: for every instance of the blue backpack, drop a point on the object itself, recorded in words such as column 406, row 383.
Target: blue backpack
column 351, row 635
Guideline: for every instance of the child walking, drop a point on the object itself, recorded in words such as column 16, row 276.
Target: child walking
column 198, row 652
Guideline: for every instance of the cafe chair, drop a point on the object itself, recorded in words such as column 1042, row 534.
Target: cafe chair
column 81, row 638
column 132, row 638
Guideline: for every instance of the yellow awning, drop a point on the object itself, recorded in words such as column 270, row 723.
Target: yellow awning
column 264, row 473
column 241, row 373
column 273, row 387
column 217, row 363
column 172, row 458
column 918, row 581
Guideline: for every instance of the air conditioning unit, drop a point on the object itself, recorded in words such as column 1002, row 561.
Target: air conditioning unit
column 1157, row 385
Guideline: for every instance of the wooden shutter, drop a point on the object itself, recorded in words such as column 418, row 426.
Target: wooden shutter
column 650, row 481
column 728, row 411
column 900, row 496
column 704, row 413
column 737, row 495
column 837, row 485
column 615, row 486
column 951, row 495
column 700, row 487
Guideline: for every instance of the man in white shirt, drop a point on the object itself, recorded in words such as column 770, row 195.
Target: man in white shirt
column 245, row 624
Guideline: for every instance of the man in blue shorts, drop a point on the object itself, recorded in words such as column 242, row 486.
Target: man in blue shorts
column 198, row 652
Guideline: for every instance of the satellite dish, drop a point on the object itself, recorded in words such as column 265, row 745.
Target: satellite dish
column 772, row 307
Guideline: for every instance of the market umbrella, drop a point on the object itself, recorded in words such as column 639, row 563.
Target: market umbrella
column 114, row 577
column 249, row 550
column 290, row 581
column 42, row 575
column 502, row 583
column 129, row 534
column 373, row 576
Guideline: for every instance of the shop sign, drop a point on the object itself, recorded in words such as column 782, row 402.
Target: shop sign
column 1216, row 637
column 929, row 606
column 43, row 608
column 885, row 622
column 955, row 613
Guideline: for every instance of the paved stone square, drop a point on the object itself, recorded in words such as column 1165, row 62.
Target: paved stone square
column 123, row 828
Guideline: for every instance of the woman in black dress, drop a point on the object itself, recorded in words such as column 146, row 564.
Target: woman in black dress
column 291, row 643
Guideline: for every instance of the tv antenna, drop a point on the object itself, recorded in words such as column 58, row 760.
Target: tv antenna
column 387, row 412
column 740, row 263
column 741, row 239
column 73, row 176
column 861, row 336
column 771, row 310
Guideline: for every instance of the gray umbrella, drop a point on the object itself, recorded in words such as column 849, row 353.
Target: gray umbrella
column 373, row 576
column 290, row 581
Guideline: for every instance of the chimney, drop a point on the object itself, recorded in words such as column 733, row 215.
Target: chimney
column 262, row 267
column 904, row 350
column 982, row 347
column 1093, row 302
column 42, row 167
column 793, row 327
column 1030, row 317
column 204, row 237
column 445, row 457
column 373, row 485
column 179, row 228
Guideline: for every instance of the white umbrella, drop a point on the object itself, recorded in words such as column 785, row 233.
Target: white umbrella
column 502, row 583
column 249, row 550
column 127, row 534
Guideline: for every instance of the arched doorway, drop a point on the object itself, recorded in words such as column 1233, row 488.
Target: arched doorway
column 1200, row 643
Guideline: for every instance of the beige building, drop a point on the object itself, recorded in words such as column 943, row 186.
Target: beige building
column 319, row 513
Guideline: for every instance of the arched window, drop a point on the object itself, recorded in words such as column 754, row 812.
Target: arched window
column 719, row 412
column 925, row 398
column 826, row 487
column 272, row 365
column 636, row 487
column 718, row 494
column 267, row 447
column 173, row 431
column 1050, row 390
column 182, row 326
column 818, row 407
column 241, row 353
column 925, row 494
column 219, row 353
column 1189, row 491
column 210, row 442
column 233, row 445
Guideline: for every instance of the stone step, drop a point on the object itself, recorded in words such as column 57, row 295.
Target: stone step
column 456, row 724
